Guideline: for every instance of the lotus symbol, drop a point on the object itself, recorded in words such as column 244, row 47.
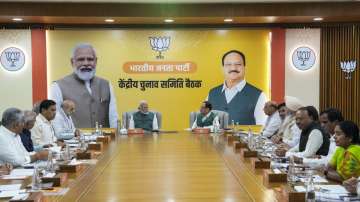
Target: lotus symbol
column 348, row 67
column 160, row 44
column 303, row 56
column 12, row 57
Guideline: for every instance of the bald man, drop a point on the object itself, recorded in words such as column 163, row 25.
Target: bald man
column 143, row 118
column 63, row 124
column 273, row 121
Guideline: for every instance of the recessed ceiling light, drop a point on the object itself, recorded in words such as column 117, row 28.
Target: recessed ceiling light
column 17, row 19
column 318, row 19
column 228, row 20
column 109, row 20
column 168, row 20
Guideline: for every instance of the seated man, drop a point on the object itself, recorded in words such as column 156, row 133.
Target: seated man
column 313, row 140
column 273, row 120
column 288, row 135
column 63, row 124
column 345, row 163
column 25, row 135
column 206, row 118
column 43, row 134
column 328, row 119
column 12, row 150
column 143, row 118
column 283, row 111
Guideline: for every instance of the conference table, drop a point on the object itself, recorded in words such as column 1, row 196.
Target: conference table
column 168, row 167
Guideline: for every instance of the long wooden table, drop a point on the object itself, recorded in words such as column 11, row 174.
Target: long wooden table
column 169, row 167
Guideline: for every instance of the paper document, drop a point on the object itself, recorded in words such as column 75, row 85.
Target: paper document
column 8, row 194
column 22, row 172
column 10, row 187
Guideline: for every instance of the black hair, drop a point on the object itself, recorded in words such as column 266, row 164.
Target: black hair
column 45, row 104
column 351, row 130
column 233, row 51
column 208, row 105
column 311, row 111
column 281, row 105
column 333, row 114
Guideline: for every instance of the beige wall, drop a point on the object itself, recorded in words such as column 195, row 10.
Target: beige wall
column 16, row 87
column 303, row 84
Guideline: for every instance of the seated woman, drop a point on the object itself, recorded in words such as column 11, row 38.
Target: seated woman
column 345, row 163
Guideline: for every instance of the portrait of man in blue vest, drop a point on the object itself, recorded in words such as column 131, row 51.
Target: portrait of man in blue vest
column 243, row 101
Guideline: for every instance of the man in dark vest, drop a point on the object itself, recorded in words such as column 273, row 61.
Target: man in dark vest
column 206, row 118
column 143, row 118
column 313, row 139
column 93, row 96
column 243, row 101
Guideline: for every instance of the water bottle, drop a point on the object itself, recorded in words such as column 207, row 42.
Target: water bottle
column 36, row 180
column 119, row 126
column 66, row 153
column 50, row 163
column 97, row 131
column 310, row 191
column 100, row 130
column 216, row 127
column 291, row 171
column 250, row 139
column 83, row 146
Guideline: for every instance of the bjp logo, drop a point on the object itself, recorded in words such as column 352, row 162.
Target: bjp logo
column 160, row 44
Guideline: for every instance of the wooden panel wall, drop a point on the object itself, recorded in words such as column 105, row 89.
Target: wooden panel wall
column 338, row 44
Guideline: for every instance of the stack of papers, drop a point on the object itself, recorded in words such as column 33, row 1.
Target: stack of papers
column 316, row 179
column 10, row 190
column 73, row 145
column 72, row 141
column 11, row 193
column 18, row 174
column 22, row 172
column 326, row 189
column 10, row 187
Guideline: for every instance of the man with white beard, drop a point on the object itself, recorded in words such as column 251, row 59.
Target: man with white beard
column 93, row 96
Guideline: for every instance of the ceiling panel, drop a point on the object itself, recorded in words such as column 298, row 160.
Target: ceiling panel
column 180, row 1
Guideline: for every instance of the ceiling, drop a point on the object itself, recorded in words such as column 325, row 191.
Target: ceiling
column 79, row 12
column 180, row 1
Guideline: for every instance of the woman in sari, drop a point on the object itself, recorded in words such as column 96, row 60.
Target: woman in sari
column 345, row 163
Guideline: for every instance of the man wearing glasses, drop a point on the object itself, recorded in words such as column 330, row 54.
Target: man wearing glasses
column 243, row 101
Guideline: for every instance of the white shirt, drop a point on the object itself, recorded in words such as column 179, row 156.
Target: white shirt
column 56, row 95
column 293, row 138
column 323, row 161
column 273, row 123
column 215, row 122
column 43, row 132
column 155, row 125
column 312, row 146
column 12, row 150
column 63, row 125
column 230, row 93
